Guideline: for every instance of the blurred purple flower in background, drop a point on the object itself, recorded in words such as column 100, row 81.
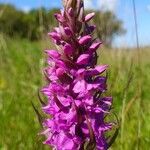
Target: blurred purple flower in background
column 76, row 105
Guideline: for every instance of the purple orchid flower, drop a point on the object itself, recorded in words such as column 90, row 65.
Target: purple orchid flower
column 76, row 105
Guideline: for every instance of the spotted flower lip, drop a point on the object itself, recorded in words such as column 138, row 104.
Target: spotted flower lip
column 75, row 88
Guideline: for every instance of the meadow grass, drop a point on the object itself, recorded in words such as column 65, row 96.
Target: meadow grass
column 21, row 64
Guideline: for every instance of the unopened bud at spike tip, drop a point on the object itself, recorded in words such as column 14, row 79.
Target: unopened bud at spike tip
column 69, row 3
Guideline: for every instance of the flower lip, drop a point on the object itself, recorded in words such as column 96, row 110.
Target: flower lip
column 97, row 70
column 101, row 68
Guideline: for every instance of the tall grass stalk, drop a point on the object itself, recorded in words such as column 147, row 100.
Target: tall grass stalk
column 139, row 76
column 125, row 91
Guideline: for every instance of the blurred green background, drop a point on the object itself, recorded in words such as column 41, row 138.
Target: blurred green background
column 22, row 41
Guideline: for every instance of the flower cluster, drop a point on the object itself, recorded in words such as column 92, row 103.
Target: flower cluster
column 76, row 105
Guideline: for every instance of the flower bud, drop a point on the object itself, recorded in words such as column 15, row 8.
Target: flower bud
column 54, row 35
column 89, row 17
column 68, row 49
column 85, row 39
column 94, row 47
column 83, row 59
column 53, row 53
column 59, row 17
column 69, row 3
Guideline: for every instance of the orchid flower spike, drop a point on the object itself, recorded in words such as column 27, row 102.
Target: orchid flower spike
column 75, row 88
